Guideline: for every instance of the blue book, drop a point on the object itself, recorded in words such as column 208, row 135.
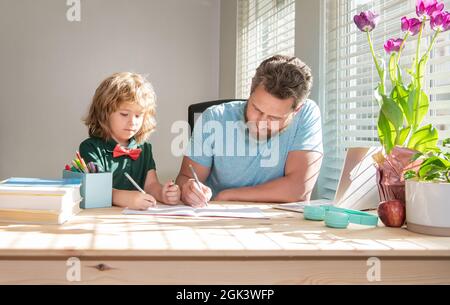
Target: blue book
column 15, row 181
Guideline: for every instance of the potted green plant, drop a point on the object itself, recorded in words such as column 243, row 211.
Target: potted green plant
column 428, row 193
column 403, row 103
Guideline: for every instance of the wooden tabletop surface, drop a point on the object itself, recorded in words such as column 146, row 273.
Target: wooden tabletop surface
column 109, row 233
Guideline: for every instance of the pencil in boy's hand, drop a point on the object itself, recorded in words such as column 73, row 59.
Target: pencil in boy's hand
column 134, row 183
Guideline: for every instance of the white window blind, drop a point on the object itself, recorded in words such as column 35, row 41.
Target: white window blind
column 265, row 28
column 349, row 110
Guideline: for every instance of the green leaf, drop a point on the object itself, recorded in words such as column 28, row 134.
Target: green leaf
column 392, row 112
column 433, row 168
column 399, row 75
column 412, row 102
column 423, row 105
column 400, row 95
column 418, row 105
column 393, row 68
column 409, row 174
column 386, row 133
column 422, row 67
column 424, row 139
column 378, row 95
column 416, row 156
column 402, row 136
column 446, row 142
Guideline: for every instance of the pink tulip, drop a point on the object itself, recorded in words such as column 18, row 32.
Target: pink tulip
column 412, row 26
column 428, row 8
column 366, row 21
column 393, row 45
column 440, row 22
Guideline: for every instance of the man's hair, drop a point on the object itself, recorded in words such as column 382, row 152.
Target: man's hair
column 123, row 87
column 284, row 77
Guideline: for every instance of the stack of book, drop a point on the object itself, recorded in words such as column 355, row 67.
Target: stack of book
column 34, row 200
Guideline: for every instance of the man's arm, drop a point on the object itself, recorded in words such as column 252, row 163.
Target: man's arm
column 190, row 193
column 301, row 173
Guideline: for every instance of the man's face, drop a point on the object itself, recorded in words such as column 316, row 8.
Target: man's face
column 267, row 115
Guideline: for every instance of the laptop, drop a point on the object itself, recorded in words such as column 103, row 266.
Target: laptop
column 357, row 188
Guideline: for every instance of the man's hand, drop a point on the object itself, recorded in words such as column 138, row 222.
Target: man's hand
column 194, row 196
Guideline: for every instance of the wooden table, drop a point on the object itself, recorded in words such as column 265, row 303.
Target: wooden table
column 286, row 249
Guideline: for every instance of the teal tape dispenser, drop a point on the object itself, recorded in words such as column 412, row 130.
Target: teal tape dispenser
column 338, row 217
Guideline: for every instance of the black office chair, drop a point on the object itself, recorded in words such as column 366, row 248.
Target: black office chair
column 200, row 107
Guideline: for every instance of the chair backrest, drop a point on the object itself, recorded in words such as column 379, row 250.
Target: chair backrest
column 200, row 107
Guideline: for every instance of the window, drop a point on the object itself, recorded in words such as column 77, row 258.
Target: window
column 265, row 28
column 349, row 110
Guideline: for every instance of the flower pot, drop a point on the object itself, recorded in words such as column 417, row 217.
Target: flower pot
column 428, row 207
column 390, row 189
column 390, row 181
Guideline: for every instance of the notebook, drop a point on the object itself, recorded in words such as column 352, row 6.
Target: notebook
column 183, row 210
column 357, row 187
column 34, row 200
column 38, row 216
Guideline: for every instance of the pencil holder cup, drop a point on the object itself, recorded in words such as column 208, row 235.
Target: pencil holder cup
column 96, row 189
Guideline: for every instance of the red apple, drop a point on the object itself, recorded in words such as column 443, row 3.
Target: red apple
column 392, row 213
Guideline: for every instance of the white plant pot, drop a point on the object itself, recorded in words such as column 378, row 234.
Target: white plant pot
column 428, row 207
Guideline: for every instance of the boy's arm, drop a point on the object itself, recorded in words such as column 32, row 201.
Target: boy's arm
column 301, row 172
column 152, row 185
column 132, row 199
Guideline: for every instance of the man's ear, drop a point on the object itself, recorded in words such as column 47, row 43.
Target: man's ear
column 298, row 108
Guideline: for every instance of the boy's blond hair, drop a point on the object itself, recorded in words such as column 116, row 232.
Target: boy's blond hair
column 123, row 87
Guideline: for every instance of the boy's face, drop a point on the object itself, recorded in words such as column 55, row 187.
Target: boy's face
column 126, row 122
column 266, row 114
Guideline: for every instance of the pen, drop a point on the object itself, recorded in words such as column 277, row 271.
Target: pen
column 196, row 180
column 134, row 183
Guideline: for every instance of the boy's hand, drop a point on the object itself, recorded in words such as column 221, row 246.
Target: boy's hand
column 140, row 201
column 192, row 195
column 171, row 193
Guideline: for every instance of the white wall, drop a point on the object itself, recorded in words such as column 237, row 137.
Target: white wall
column 49, row 69
column 228, row 44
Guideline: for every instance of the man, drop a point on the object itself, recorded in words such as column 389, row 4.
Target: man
column 277, row 153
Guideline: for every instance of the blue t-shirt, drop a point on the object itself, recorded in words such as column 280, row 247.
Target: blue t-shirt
column 221, row 141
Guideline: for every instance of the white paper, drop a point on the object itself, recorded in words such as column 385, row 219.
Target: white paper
column 299, row 206
column 182, row 210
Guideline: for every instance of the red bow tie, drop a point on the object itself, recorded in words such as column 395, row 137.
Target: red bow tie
column 122, row 151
